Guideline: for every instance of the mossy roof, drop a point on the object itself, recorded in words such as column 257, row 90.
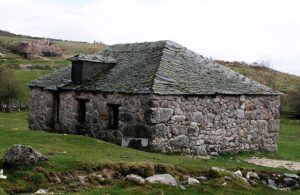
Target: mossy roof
column 162, row 67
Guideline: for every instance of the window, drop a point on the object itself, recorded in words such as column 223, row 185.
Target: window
column 113, row 110
column 81, row 110
column 57, row 102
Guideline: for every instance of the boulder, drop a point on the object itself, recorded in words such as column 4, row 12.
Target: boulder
column 192, row 181
column 19, row 155
column 166, row 179
column 135, row 178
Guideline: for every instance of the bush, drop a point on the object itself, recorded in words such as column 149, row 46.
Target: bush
column 38, row 178
column 10, row 87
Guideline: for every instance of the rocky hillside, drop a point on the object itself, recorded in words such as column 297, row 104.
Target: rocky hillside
column 15, row 49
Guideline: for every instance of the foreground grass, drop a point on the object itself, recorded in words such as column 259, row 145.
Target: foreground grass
column 69, row 152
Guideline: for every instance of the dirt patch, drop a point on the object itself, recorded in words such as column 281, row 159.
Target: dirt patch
column 290, row 165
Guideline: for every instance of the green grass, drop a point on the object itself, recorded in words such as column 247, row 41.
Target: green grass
column 25, row 77
column 83, row 152
column 213, row 187
column 82, row 149
column 289, row 140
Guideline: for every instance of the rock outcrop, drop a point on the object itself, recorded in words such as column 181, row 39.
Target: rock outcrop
column 19, row 155
column 41, row 48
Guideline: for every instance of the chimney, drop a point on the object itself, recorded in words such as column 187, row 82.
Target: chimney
column 85, row 67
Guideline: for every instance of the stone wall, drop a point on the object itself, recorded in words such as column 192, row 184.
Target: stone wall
column 206, row 125
column 41, row 109
column 131, row 115
column 195, row 125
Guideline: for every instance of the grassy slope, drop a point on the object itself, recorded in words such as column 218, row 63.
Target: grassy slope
column 280, row 81
column 69, row 48
column 25, row 76
column 283, row 82
column 88, row 152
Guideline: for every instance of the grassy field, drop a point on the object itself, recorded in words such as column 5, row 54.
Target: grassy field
column 68, row 47
column 71, row 152
column 25, row 77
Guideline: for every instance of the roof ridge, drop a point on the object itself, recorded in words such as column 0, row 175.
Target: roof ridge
column 155, row 75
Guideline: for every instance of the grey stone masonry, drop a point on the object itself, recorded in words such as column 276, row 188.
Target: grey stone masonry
column 202, row 125
column 41, row 109
column 189, row 125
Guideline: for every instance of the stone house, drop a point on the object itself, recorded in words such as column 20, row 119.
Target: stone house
column 157, row 96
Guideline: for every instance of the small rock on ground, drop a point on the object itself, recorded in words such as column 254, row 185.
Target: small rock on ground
column 292, row 176
column 202, row 178
column 135, row 178
column 182, row 187
column 163, row 179
column 238, row 173
column 252, row 175
column 192, row 181
column 272, row 184
column 1, row 174
column 41, row 191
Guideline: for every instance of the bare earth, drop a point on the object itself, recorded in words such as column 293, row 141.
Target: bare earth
column 290, row 165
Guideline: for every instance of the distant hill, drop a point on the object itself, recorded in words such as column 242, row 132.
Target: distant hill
column 280, row 81
column 283, row 82
column 8, row 40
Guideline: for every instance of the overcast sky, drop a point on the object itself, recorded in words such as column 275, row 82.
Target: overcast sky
column 242, row 30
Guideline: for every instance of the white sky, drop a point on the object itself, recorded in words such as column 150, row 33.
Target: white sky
column 242, row 30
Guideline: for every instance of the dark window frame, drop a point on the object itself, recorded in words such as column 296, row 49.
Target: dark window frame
column 57, row 105
column 113, row 113
column 81, row 110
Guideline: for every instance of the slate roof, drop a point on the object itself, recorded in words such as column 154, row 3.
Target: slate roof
column 162, row 67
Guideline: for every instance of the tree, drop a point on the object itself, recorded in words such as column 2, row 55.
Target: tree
column 10, row 87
